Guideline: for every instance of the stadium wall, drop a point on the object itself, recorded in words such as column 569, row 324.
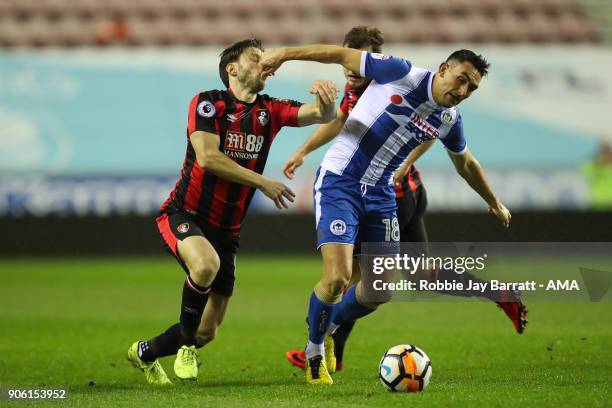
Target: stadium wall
column 266, row 233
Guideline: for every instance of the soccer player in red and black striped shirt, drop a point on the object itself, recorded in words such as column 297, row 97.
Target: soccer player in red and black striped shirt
column 229, row 134
column 410, row 193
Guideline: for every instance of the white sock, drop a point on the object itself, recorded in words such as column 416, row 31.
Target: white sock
column 313, row 349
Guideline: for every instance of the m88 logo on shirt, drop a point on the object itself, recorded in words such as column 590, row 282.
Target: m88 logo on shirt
column 242, row 146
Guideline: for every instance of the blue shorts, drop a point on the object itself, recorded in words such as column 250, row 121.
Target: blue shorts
column 349, row 212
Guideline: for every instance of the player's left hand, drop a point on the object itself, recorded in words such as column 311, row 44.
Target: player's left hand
column 502, row 213
column 271, row 60
column 292, row 163
column 327, row 91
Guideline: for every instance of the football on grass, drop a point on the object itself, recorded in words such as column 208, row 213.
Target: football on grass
column 405, row 368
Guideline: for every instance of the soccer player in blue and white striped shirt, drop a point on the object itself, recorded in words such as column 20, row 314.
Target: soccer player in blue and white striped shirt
column 403, row 107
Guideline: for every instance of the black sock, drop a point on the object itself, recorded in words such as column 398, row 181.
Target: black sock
column 340, row 336
column 192, row 307
column 166, row 344
column 145, row 353
column 448, row 275
column 179, row 334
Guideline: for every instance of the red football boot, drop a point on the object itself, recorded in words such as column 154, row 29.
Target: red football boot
column 297, row 358
column 510, row 302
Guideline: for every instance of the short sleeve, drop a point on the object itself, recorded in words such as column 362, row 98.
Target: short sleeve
column 455, row 141
column 285, row 111
column 383, row 68
column 202, row 114
column 344, row 105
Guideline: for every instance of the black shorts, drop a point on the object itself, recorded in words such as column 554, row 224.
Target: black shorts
column 410, row 215
column 176, row 226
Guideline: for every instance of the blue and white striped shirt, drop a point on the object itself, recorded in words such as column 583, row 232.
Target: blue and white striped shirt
column 395, row 114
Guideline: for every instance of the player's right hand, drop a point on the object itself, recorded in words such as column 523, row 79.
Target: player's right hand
column 271, row 60
column 291, row 165
column 277, row 192
column 502, row 213
column 327, row 91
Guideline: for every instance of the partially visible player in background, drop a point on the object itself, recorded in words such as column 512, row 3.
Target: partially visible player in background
column 229, row 135
column 410, row 193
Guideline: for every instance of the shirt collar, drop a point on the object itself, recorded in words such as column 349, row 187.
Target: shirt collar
column 231, row 93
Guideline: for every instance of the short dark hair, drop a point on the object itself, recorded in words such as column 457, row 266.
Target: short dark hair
column 363, row 36
column 232, row 53
column 477, row 60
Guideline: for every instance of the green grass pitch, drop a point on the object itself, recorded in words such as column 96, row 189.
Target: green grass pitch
column 69, row 323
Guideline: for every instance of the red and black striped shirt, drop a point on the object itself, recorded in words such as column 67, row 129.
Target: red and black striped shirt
column 246, row 131
column 413, row 179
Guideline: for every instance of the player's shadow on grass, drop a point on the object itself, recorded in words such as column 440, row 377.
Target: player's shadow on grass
column 178, row 384
column 212, row 383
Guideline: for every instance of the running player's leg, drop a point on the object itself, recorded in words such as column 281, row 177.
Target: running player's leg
column 221, row 292
column 409, row 231
column 184, row 239
column 414, row 230
column 200, row 261
column 221, row 289
column 187, row 362
column 411, row 211
column 337, row 264
column 325, row 296
column 378, row 225
column 342, row 333
column 337, row 210
column 298, row 357
column 213, row 316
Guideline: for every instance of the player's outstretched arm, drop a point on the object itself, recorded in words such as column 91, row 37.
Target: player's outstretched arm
column 413, row 156
column 208, row 156
column 468, row 167
column 323, row 109
column 349, row 58
column 321, row 136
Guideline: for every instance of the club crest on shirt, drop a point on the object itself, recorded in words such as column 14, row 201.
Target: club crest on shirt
column 206, row 109
column 183, row 228
column 337, row 227
column 262, row 116
column 449, row 116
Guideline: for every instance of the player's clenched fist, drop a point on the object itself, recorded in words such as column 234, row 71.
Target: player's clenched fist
column 277, row 192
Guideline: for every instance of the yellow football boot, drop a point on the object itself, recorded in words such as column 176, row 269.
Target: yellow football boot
column 316, row 371
column 330, row 355
column 153, row 371
column 186, row 363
